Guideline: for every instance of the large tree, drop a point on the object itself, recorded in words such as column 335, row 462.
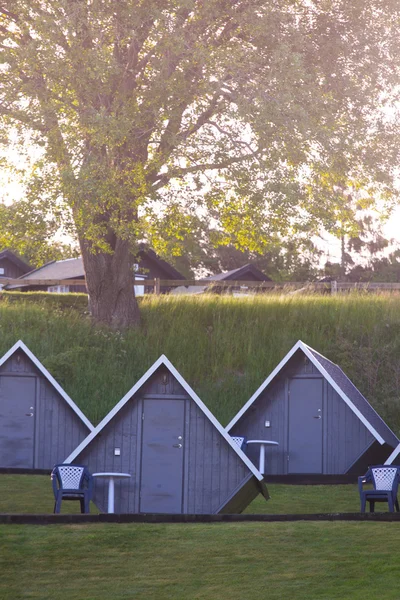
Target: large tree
column 152, row 110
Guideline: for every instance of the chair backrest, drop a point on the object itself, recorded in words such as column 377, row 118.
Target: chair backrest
column 384, row 477
column 240, row 440
column 70, row 477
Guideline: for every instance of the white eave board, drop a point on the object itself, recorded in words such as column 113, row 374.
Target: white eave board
column 21, row 346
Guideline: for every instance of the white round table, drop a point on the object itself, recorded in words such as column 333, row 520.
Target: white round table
column 262, row 443
column 111, row 478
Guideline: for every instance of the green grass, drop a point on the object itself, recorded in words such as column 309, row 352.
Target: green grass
column 33, row 494
column 300, row 561
column 225, row 347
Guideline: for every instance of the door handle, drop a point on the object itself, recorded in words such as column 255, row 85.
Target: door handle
column 318, row 417
column 177, row 446
column 29, row 414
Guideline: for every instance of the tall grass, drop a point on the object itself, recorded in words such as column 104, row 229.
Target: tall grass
column 224, row 346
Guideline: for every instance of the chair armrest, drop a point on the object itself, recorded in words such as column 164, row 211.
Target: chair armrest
column 54, row 482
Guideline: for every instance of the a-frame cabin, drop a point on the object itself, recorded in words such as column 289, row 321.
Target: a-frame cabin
column 321, row 421
column 181, row 460
column 39, row 423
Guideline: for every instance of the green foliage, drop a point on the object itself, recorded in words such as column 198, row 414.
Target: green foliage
column 27, row 229
column 258, row 113
column 224, row 347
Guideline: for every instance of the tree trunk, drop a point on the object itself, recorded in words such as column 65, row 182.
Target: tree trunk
column 110, row 284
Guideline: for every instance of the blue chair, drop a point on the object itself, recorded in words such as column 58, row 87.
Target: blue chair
column 385, row 481
column 72, row 482
column 241, row 441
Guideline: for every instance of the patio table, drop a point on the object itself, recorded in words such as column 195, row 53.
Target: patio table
column 111, row 478
column 263, row 444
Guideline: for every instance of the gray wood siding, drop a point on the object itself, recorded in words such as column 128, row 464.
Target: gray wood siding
column 121, row 432
column 271, row 405
column 59, row 430
column 215, row 470
column 19, row 363
column 345, row 438
column 212, row 469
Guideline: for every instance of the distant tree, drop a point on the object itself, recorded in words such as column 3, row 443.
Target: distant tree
column 249, row 110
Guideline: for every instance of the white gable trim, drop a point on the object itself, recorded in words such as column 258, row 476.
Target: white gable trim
column 163, row 360
column 393, row 455
column 265, row 384
column 21, row 346
column 307, row 351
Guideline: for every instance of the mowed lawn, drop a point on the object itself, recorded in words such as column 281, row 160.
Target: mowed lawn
column 33, row 494
column 235, row 561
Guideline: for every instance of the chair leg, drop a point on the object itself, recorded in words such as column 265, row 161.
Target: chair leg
column 390, row 503
column 82, row 503
column 87, row 504
column 371, row 506
column 363, row 503
column 57, row 506
column 396, row 503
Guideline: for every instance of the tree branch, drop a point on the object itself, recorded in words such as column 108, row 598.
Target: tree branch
column 163, row 178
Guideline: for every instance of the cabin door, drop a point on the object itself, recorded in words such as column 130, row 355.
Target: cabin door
column 305, row 425
column 17, row 421
column 162, row 462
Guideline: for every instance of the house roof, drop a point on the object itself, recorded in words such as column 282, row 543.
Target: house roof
column 163, row 264
column 15, row 259
column 21, row 346
column 163, row 360
column 70, row 268
column 232, row 275
column 341, row 384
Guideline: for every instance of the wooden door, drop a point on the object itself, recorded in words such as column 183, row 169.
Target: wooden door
column 162, row 456
column 17, row 421
column 305, row 448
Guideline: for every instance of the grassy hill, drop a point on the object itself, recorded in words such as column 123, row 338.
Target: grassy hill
column 225, row 347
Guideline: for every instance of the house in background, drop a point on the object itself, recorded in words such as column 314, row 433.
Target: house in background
column 180, row 458
column 246, row 273
column 148, row 266
column 321, row 421
column 70, row 268
column 153, row 266
column 11, row 266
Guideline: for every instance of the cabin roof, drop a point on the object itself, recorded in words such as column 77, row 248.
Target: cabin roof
column 163, row 264
column 15, row 259
column 163, row 360
column 70, row 268
column 21, row 346
column 234, row 273
column 341, row 384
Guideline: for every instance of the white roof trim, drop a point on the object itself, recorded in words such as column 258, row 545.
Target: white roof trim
column 394, row 454
column 262, row 387
column 163, row 360
column 21, row 346
column 307, row 351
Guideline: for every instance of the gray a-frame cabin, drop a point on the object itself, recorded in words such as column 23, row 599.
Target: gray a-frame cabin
column 181, row 460
column 39, row 423
column 321, row 421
